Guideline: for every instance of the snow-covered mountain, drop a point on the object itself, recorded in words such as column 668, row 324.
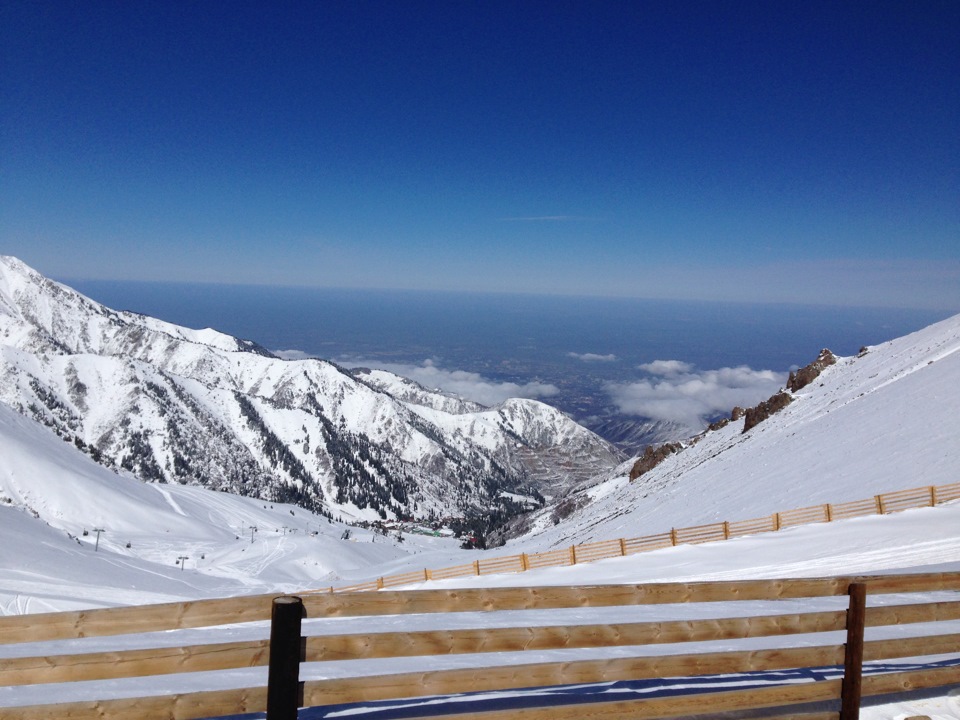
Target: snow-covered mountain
column 884, row 420
column 633, row 434
column 175, row 405
column 878, row 422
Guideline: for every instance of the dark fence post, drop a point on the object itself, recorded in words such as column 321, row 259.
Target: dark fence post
column 853, row 653
column 284, row 691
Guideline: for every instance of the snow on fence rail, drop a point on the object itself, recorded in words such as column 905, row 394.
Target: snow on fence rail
column 897, row 501
column 490, row 672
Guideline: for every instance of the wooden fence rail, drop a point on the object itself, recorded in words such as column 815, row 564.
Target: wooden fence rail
column 288, row 649
column 886, row 503
column 341, row 602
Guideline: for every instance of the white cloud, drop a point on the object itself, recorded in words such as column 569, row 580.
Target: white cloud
column 666, row 367
column 469, row 385
column 593, row 357
column 684, row 395
column 293, row 355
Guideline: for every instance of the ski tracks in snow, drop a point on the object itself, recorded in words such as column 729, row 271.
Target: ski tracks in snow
column 169, row 498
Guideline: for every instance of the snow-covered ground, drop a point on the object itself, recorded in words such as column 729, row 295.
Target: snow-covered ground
column 881, row 422
column 915, row 540
column 51, row 495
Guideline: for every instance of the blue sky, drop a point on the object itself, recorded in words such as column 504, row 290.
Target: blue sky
column 760, row 151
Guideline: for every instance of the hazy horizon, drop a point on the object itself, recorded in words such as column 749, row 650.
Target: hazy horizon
column 101, row 282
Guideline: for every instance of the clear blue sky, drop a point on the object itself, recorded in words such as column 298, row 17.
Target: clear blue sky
column 771, row 151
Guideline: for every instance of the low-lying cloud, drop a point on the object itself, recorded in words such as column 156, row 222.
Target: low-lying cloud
column 468, row 385
column 667, row 368
column 680, row 393
column 592, row 357
column 293, row 355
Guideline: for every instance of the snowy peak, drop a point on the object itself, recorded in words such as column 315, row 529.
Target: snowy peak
column 59, row 319
column 538, row 422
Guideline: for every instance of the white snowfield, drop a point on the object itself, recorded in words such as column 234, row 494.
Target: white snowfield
column 885, row 421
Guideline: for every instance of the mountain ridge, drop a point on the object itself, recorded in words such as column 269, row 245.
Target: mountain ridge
column 202, row 407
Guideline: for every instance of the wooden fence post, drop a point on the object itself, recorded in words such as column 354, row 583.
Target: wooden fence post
column 853, row 653
column 623, row 547
column 673, row 536
column 829, row 512
column 284, row 689
column 573, row 554
column 476, row 567
column 933, row 496
column 524, row 562
column 879, row 499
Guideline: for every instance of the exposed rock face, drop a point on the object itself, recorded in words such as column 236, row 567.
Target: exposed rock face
column 567, row 506
column 718, row 424
column 806, row 375
column 755, row 415
column 735, row 414
column 653, row 456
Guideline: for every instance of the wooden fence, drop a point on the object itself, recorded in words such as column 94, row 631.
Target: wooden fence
column 496, row 672
column 927, row 496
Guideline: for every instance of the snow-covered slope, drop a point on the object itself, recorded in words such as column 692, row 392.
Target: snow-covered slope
column 200, row 407
column 53, row 498
column 884, row 420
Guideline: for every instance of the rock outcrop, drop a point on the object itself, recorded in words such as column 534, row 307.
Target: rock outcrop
column 757, row 414
column 653, row 456
column 806, row 375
